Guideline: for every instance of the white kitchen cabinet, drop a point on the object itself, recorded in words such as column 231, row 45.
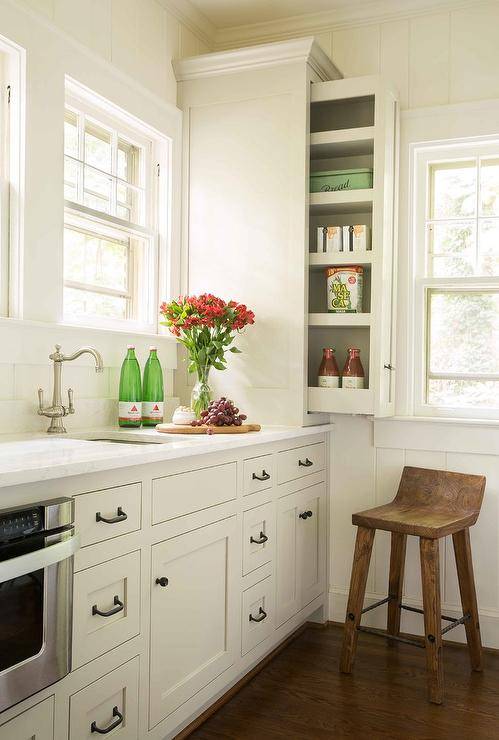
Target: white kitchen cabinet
column 193, row 614
column 36, row 723
column 301, row 550
column 253, row 153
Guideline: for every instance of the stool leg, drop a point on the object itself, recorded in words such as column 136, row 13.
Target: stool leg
column 360, row 570
column 464, row 565
column 430, row 576
column 395, row 581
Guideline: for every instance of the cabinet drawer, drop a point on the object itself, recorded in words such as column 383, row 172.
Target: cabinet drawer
column 112, row 700
column 258, row 474
column 301, row 461
column 258, row 537
column 184, row 493
column 104, row 514
column 112, row 588
column 36, row 723
column 257, row 614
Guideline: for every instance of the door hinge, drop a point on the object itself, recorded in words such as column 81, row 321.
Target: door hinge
column 9, row 91
column 158, row 169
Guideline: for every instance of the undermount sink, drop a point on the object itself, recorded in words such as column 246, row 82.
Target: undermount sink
column 146, row 437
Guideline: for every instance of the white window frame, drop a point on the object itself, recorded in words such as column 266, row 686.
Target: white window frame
column 12, row 157
column 157, row 150
column 424, row 156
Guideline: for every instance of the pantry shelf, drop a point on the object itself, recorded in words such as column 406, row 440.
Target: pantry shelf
column 341, row 400
column 342, row 201
column 339, row 319
column 320, row 260
column 342, row 143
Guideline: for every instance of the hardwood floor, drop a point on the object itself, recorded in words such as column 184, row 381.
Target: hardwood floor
column 301, row 694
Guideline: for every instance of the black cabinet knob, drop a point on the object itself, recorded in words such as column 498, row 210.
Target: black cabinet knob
column 305, row 514
column 163, row 581
column 305, row 463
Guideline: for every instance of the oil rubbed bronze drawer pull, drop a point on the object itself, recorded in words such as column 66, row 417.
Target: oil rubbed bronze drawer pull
column 260, row 618
column 263, row 476
column 305, row 463
column 112, row 726
column 163, row 581
column 260, row 541
column 121, row 516
column 305, row 514
column 118, row 607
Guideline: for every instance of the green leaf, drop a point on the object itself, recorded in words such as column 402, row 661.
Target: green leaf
column 219, row 366
column 235, row 350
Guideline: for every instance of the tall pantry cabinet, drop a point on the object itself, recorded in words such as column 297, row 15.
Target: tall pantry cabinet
column 257, row 121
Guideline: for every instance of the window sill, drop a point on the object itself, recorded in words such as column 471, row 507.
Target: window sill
column 452, row 420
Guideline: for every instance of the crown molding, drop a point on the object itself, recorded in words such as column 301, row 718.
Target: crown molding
column 306, row 50
column 192, row 18
column 376, row 11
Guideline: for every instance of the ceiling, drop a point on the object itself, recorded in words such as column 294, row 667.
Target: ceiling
column 227, row 13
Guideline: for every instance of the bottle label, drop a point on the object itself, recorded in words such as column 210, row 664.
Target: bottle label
column 351, row 381
column 152, row 411
column 130, row 410
column 329, row 381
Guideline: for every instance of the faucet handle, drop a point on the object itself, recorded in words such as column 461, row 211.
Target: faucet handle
column 71, row 408
column 40, row 401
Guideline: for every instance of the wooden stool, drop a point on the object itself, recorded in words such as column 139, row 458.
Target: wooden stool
column 429, row 504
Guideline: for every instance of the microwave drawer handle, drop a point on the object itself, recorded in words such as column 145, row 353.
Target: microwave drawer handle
column 262, row 614
column 263, row 476
column 39, row 559
column 305, row 463
column 120, row 517
column 118, row 607
column 117, row 722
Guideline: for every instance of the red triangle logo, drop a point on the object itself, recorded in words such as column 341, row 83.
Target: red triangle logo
column 134, row 408
column 156, row 407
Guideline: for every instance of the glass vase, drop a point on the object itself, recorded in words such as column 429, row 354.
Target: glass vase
column 201, row 394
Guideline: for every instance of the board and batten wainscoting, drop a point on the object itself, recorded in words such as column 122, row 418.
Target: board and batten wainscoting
column 370, row 477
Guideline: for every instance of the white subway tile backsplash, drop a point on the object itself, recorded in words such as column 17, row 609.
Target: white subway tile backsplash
column 6, row 381
column 85, row 382
column 27, row 380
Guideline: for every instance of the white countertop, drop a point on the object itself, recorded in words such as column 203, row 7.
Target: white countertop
column 31, row 458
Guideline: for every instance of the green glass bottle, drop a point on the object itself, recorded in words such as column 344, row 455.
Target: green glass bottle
column 130, row 400
column 153, row 394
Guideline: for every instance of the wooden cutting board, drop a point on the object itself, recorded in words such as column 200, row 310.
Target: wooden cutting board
column 187, row 429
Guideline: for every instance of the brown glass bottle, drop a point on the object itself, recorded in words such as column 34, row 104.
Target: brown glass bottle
column 353, row 372
column 329, row 374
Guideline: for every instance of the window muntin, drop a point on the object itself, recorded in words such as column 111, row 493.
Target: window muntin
column 111, row 234
column 457, row 280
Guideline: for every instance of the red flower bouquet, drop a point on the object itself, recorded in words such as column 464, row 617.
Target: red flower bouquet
column 206, row 326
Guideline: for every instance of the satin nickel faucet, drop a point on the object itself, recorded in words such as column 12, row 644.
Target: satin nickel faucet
column 57, row 411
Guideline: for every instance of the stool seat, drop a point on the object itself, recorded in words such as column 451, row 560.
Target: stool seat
column 430, row 504
column 420, row 521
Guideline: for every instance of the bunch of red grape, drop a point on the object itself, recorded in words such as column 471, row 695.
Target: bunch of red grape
column 221, row 413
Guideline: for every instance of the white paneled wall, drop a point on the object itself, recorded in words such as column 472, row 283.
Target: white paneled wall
column 139, row 37
column 433, row 58
column 366, row 473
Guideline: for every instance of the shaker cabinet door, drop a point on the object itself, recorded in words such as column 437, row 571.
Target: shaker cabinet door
column 301, row 550
column 193, row 614
column 312, row 544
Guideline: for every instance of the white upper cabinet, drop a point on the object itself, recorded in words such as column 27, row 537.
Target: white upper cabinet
column 257, row 121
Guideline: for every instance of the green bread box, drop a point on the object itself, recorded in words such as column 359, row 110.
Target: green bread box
column 332, row 180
